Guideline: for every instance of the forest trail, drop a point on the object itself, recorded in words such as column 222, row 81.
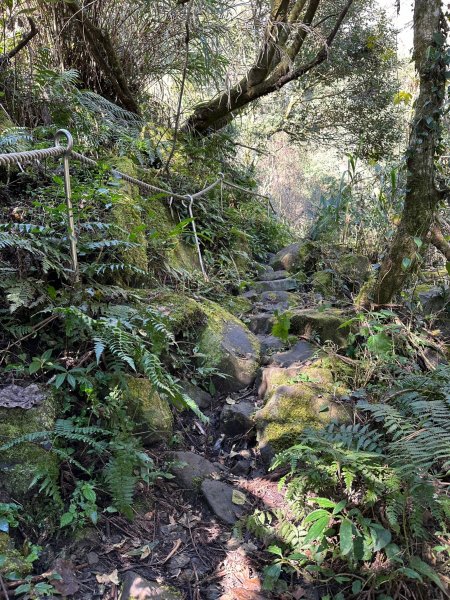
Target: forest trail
column 191, row 537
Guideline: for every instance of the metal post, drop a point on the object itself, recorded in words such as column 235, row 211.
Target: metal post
column 61, row 133
column 197, row 243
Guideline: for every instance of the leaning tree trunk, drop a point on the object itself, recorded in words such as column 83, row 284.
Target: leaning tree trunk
column 422, row 196
column 274, row 67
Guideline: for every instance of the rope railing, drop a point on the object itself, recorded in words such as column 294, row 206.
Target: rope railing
column 67, row 152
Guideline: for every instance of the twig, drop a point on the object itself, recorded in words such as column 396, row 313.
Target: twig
column 5, row 592
column 176, row 545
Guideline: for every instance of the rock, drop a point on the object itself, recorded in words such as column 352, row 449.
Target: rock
column 219, row 496
column 126, row 214
column 261, row 323
column 18, row 465
column 179, row 561
column 12, row 561
column 432, row 298
column 150, row 414
column 279, row 285
column 201, row 398
column 92, row 558
column 16, row 396
column 229, row 347
column 263, row 269
column 296, row 257
column 272, row 275
column 300, row 352
column 355, row 268
column 270, row 342
column 307, row 399
column 136, row 587
column 236, row 419
column 323, row 283
column 195, row 470
column 326, row 323
column 273, row 377
column 241, row 468
column 275, row 297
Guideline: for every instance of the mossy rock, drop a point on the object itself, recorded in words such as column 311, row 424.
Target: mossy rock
column 432, row 298
column 306, row 399
column 18, row 465
column 150, row 414
column 177, row 255
column 354, row 268
column 11, row 560
column 237, row 305
column 323, row 283
column 224, row 342
column 327, row 324
column 128, row 214
column 184, row 314
column 300, row 256
column 228, row 346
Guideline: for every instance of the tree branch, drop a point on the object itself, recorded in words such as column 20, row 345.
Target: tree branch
column 26, row 39
column 438, row 240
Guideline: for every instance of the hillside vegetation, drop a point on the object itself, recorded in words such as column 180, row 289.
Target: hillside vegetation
column 224, row 312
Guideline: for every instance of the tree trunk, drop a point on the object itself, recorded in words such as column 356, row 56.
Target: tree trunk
column 422, row 196
column 104, row 55
column 285, row 35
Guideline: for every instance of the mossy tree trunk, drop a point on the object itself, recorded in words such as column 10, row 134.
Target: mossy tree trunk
column 288, row 27
column 422, row 196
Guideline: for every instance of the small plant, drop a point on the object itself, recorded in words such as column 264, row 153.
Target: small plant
column 281, row 326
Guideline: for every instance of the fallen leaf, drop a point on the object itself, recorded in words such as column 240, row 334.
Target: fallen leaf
column 65, row 581
column 108, row 578
column 238, row 497
column 230, row 400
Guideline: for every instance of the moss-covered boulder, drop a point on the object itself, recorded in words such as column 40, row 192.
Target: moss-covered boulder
column 322, row 282
column 300, row 256
column 354, row 268
column 149, row 413
column 128, row 214
column 327, row 324
column 228, row 346
column 224, row 342
column 18, row 465
column 307, row 399
column 11, row 560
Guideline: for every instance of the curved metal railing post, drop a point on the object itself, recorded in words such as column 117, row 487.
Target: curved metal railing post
column 61, row 133
column 197, row 243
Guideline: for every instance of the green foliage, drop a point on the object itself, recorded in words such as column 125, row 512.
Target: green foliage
column 376, row 486
column 281, row 326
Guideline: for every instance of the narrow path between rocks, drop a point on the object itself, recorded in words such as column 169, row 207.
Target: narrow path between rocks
column 191, row 535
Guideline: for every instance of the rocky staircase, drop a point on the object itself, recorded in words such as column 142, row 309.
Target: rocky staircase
column 226, row 465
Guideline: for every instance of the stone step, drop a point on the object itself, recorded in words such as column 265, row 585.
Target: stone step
column 236, row 419
column 269, row 342
column 279, row 285
column 261, row 323
column 300, row 352
column 272, row 275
